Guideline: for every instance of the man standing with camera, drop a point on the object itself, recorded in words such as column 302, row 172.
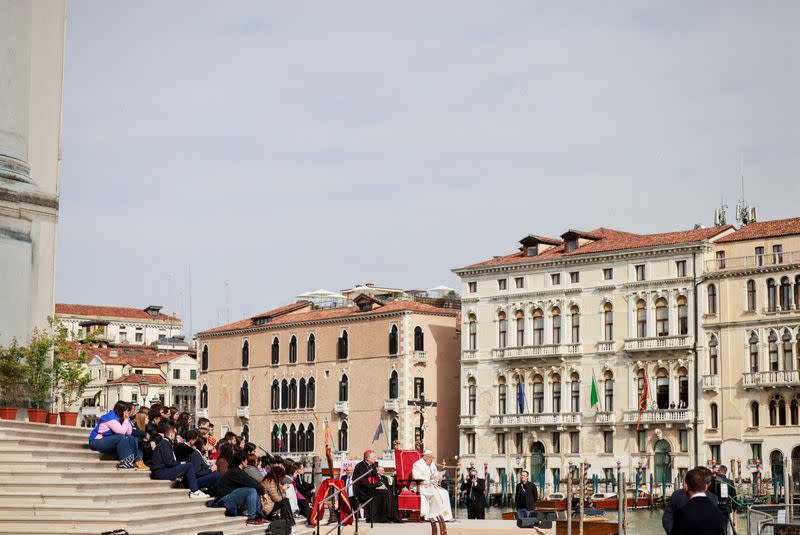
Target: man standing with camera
column 476, row 495
column 525, row 496
column 726, row 492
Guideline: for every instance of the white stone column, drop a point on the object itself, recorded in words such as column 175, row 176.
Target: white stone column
column 15, row 77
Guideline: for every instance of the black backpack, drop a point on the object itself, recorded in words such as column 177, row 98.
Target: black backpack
column 280, row 526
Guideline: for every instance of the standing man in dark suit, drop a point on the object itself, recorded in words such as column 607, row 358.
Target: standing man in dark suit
column 699, row 516
column 525, row 496
column 475, row 490
column 680, row 498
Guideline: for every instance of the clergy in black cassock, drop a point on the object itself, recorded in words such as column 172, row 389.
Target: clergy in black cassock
column 370, row 486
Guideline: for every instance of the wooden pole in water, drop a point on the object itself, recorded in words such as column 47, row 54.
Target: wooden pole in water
column 624, row 507
column 569, row 504
column 620, row 504
column 581, row 498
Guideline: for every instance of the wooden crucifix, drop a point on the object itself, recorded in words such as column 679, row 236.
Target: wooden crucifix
column 422, row 405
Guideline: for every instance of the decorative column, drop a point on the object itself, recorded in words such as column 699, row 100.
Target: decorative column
column 15, row 77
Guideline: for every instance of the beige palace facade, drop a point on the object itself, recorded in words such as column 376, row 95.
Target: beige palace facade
column 543, row 321
column 751, row 366
column 290, row 371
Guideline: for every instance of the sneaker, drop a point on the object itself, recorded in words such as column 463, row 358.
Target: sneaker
column 199, row 494
column 125, row 465
column 255, row 522
column 139, row 465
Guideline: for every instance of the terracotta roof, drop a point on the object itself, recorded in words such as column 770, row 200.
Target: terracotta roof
column 335, row 313
column 764, row 229
column 136, row 377
column 611, row 240
column 532, row 238
column 96, row 311
column 280, row 311
column 136, row 356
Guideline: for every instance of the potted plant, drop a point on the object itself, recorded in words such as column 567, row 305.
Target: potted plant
column 69, row 370
column 39, row 374
column 12, row 380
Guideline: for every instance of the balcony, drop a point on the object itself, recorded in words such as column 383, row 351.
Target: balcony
column 391, row 405
column 533, row 420
column 605, row 347
column 541, row 351
column 659, row 416
column 605, row 417
column 710, row 382
column 658, row 343
column 469, row 354
column 755, row 261
column 201, row 413
column 420, row 357
column 771, row 379
column 92, row 411
column 342, row 407
column 467, row 421
column 243, row 412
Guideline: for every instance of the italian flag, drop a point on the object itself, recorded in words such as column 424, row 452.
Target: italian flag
column 280, row 438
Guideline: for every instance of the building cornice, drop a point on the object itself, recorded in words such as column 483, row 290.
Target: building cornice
column 755, row 270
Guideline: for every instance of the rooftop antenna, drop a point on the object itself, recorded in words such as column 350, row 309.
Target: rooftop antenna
column 721, row 214
column 745, row 214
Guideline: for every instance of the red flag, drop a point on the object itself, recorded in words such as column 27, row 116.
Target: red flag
column 642, row 400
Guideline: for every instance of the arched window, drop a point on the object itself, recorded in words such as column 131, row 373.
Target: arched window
column 793, row 411
column 797, row 291
column 311, row 394
column 276, row 351
column 204, row 359
column 245, row 354
column 575, row 389
column 772, row 295
column 556, row 380
column 777, row 410
column 519, row 395
column 773, row 412
column 310, row 438
column 343, row 388
column 683, row 387
column 639, row 384
column 556, row 314
column 520, row 317
column 311, row 350
column 293, row 350
column 472, row 397
column 754, row 414
column 342, row 346
column 301, row 393
column 292, row 439
column 713, row 356
column 641, row 319
column 608, row 322
column 502, row 329
column 785, row 294
column 244, row 395
column 343, row 437
column 395, row 432
column 538, row 327
column 753, row 349
column 393, row 385
column 284, row 394
column 538, row 394
column 662, row 389
column 473, row 332
column 662, row 317
column 774, row 363
column 419, row 339
column 683, row 315
column 204, row 397
column 284, row 439
column 301, row 439
column 712, row 299
column 502, row 395
column 575, row 315
column 713, row 416
column 274, row 445
column 293, row 394
column 608, row 387
column 751, row 295
column 393, row 340
column 781, row 411
column 788, row 357
column 275, row 396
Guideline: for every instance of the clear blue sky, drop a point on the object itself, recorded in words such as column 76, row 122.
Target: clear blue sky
column 287, row 146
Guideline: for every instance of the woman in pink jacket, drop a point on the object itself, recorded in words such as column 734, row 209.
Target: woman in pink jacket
column 113, row 434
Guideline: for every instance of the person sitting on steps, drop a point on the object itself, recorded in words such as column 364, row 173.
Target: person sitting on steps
column 239, row 491
column 200, row 463
column 164, row 466
column 113, row 433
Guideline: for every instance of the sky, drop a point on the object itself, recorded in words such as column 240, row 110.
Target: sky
column 242, row 153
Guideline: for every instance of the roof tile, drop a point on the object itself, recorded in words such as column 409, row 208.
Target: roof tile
column 97, row 311
column 764, row 229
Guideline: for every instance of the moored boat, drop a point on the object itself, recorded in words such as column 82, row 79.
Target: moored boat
column 556, row 501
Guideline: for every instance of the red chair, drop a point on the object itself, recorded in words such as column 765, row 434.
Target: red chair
column 408, row 499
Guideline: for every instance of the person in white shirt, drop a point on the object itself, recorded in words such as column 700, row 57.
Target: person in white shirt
column 435, row 501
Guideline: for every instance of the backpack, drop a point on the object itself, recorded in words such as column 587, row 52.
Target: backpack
column 280, row 526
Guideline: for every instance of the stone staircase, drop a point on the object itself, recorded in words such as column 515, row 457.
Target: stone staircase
column 51, row 482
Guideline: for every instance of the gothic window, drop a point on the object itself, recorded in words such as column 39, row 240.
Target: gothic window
column 204, row 397
column 204, row 359
column 713, row 356
column 608, row 322
column 576, row 324
column 293, row 350
column 754, row 414
column 788, row 358
column 712, row 299
column 502, row 329
column 556, row 393
column 393, row 340
column 683, row 315
column 293, row 394
column 276, row 348
column 753, row 350
column 301, row 393
column 538, row 327
column 472, row 397
column 662, row 317
column 275, row 396
column 244, row 395
column 774, row 363
column 342, row 346
column 393, row 385
column 310, row 395
column 310, row 437
column 343, row 437
column 274, row 438
column 520, row 317
column 641, row 319
column 301, row 439
column 751, row 295
column 772, row 295
column 343, row 388
column 556, row 314
column 608, row 387
column 473, row 332
column 785, row 294
column 395, row 432
column 502, row 396
column 575, row 388
column 245, row 354
column 419, row 339
column 683, row 387
column 311, row 350
column 292, row 438
column 284, row 439
column 714, row 416
column 538, row 394
column 284, row 394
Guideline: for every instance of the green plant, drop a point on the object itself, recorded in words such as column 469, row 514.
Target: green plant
column 39, row 367
column 12, row 375
column 70, row 377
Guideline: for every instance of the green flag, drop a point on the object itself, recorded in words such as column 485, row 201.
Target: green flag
column 594, row 398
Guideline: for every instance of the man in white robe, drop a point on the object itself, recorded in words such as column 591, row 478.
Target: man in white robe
column 434, row 500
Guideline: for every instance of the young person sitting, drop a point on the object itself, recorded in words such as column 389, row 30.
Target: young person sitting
column 275, row 501
column 200, row 463
column 113, row 433
column 164, row 466
column 239, row 491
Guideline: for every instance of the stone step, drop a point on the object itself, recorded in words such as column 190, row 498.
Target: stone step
column 90, row 485
column 37, row 433
column 32, row 472
column 23, row 462
column 67, row 507
column 32, row 443
column 121, row 496
column 65, row 454
column 67, row 430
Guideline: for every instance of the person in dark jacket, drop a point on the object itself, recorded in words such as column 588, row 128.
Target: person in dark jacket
column 163, row 464
column 525, row 496
column 699, row 516
column 239, row 491
column 680, row 498
column 200, row 464
column 369, row 487
column 474, row 490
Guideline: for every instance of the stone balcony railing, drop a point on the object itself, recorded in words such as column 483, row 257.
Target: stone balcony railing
column 659, row 416
column 420, row 356
column 391, row 405
column 658, row 343
column 605, row 417
column 527, row 420
column 771, row 379
column 754, row 261
column 92, row 411
column 469, row 354
column 341, row 407
column 606, row 346
column 468, row 421
column 540, row 351
column 710, row 382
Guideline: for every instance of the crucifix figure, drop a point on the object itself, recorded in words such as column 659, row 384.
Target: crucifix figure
column 422, row 405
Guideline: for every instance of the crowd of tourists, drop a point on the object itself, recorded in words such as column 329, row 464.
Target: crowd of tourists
column 226, row 472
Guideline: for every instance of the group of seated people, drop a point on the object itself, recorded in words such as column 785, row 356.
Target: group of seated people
column 227, row 473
